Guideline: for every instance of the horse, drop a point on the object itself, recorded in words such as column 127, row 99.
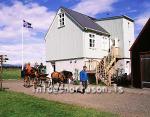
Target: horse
column 30, row 75
column 36, row 77
column 61, row 77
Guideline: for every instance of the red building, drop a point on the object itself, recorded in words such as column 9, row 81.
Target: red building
column 140, row 58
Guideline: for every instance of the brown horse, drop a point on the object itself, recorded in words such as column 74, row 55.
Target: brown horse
column 36, row 77
column 61, row 77
column 30, row 75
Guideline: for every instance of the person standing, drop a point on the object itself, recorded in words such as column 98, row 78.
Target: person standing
column 41, row 68
column 84, row 78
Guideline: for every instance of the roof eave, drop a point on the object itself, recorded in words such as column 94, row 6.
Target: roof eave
column 116, row 17
column 90, row 29
column 136, row 41
column 83, row 27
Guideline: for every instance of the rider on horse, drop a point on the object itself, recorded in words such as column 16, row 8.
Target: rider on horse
column 28, row 69
column 41, row 69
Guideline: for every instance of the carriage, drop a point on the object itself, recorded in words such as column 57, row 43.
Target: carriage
column 35, row 77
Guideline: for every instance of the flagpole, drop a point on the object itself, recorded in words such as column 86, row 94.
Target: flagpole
column 22, row 48
column 27, row 25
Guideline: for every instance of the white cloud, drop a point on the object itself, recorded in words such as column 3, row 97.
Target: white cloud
column 32, row 53
column 140, row 21
column 142, row 18
column 93, row 7
column 11, row 19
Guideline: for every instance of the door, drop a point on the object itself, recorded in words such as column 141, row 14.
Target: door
column 145, row 70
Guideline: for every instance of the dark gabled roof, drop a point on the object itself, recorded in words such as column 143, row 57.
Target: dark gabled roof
column 143, row 38
column 116, row 17
column 85, row 22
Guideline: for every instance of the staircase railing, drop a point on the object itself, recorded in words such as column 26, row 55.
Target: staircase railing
column 105, row 68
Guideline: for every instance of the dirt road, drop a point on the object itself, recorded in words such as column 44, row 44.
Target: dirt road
column 132, row 103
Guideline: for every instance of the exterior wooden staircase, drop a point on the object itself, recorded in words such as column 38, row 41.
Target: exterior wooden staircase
column 106, row 68
column 104, row 71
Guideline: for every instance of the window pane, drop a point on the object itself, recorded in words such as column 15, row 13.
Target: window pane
column 93, row 43
column 90, row 42
column 113, row 42
column 61, row 19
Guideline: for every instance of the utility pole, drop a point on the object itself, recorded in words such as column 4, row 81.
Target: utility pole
column 3, row 58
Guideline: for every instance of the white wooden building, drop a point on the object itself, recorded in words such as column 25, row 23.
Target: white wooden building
column 74, row 40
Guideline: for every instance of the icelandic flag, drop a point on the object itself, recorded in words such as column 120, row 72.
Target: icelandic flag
column 27, row 24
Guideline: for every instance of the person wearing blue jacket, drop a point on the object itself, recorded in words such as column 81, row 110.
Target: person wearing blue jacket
column 84, row 78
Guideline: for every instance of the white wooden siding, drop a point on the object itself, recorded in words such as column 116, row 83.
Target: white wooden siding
column 118, row 28
column 115, row 28
column 98, row 51
column 128, row 36
column 70, row 65
column 65, row 42
column 124, row 32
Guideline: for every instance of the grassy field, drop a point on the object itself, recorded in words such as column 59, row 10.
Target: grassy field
column 20, row 105
column 11, row 73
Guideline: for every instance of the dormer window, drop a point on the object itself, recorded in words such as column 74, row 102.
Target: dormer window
column 61, row 20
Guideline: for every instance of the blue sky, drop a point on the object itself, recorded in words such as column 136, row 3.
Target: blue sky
column 41, row 13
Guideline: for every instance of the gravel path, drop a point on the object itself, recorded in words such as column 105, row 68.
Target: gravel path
column 132, row 103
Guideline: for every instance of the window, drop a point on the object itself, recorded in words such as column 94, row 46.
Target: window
column 61, row 20
column 92, row 43
column 92, row 40
column 105, row 43
column 116, row 42
column 113, row 43
column 91, row 35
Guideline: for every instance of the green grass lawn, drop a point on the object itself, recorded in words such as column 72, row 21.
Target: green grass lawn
column 11, row 73
column 21, row 105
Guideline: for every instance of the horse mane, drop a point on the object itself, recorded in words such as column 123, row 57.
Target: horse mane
column 65, row 73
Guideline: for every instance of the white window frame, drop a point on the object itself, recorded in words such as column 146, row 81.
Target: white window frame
column 61, row 20
column 104, row 43
column 91, row 40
